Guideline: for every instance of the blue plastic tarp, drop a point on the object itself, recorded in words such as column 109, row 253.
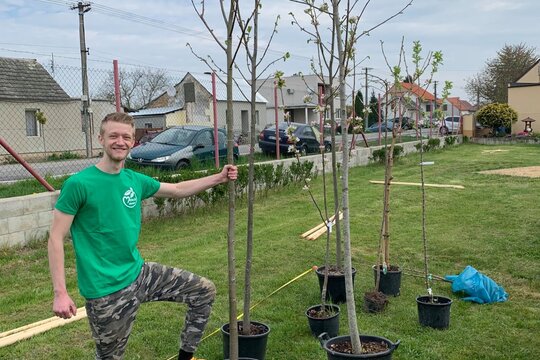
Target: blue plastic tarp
column 477, row 286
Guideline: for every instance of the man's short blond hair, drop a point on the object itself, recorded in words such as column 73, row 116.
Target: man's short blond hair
column 118, row 117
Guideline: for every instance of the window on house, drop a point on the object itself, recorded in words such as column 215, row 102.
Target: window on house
column 32, row 125
column 148, row 125
column 428, row 107
column 445, row 107
column 257, row 117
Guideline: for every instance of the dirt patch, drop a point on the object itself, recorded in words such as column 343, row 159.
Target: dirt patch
column 529, row 171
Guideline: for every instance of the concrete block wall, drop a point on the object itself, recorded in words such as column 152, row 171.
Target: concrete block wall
column 27, row 218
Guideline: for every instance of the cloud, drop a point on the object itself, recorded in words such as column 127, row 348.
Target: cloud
column 499, row 5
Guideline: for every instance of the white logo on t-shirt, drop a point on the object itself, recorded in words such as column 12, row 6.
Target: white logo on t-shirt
column 130, row 198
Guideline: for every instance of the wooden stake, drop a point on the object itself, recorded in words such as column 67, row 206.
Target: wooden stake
column 419, row 184
column 24, row 332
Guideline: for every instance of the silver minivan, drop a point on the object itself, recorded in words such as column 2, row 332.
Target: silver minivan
column 450, row 125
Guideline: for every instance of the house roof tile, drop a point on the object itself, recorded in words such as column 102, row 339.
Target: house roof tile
column 26, row 79
column 418, row 91
column 461, row 105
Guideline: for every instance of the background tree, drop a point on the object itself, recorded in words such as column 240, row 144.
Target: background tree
column 359, row 104
column 373, row 115
column 491, row 84
column 496, row 115
column 137, row 87
column 336, row 43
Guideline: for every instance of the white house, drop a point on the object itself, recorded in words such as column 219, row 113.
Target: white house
column 26, row 88
column 299, row 97
column 194, row 95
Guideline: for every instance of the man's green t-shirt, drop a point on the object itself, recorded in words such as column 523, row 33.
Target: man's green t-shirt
column 106, row 226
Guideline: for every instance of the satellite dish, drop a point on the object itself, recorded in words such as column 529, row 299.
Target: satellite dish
column 171, row 90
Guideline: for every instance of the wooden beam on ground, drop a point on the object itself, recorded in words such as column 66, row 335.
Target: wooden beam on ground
column 419, row 184
column 319, row 229
column 24, row 332
column 312, row 230
column 322, row 230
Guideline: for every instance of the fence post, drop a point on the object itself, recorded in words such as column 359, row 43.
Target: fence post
column 276, row 119
column 117, row 86
column 26, row 165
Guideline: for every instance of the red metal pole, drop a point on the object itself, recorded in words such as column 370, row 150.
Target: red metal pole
column 430, row 119
column 452, row 117
column 276, row 119
column 26, row 165
column 214, row 105
column 417, row 115
column 117, row 86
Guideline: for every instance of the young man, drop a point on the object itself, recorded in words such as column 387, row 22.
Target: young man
column 101, row 206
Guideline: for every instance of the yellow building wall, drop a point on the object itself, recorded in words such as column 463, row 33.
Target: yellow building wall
column 532, row 76
column 468, row 125
column 176, row 118
column 526, row 101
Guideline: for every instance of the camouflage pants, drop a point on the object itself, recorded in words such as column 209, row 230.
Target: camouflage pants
column 111, row 317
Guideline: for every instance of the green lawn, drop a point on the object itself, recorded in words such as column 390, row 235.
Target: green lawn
column 493, row 225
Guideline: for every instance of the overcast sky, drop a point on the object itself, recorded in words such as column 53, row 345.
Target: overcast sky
column 154, row 33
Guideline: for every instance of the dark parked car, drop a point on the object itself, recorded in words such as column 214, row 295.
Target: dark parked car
column 308, row 136
column 406, row 124
column 149, row 135
column 179, row 146
column 375, row 127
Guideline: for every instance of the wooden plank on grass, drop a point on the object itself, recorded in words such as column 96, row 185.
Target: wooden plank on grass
column 24, row 332
column 312, row 230
column 419, row 184
column 322, row 230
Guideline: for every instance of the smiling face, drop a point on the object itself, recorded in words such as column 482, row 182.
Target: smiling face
column 117, row 138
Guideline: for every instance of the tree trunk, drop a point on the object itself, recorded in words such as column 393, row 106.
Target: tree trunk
column 246, row 325
column 233, row 328
column 351, row 307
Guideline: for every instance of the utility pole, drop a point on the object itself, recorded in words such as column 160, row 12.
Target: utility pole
column 52, row 64
column 365, row 98
column 85, row 98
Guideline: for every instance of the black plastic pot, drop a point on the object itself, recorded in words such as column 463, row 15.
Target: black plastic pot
column 335, row 289
column 434, row 314
column 249, row 346
column 329, row 325
column 375, row 305
column 326, row 342
column 390, row 283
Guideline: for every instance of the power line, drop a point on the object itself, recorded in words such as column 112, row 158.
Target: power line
column 160, row 24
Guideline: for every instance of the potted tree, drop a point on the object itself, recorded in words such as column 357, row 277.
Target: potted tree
column 331, row 276
column 248, row 339
column 433, row 310
column 323, row 317
column 339, row 47
column 388, row 275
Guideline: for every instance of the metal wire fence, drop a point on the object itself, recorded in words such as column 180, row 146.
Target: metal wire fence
column 41, row 111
